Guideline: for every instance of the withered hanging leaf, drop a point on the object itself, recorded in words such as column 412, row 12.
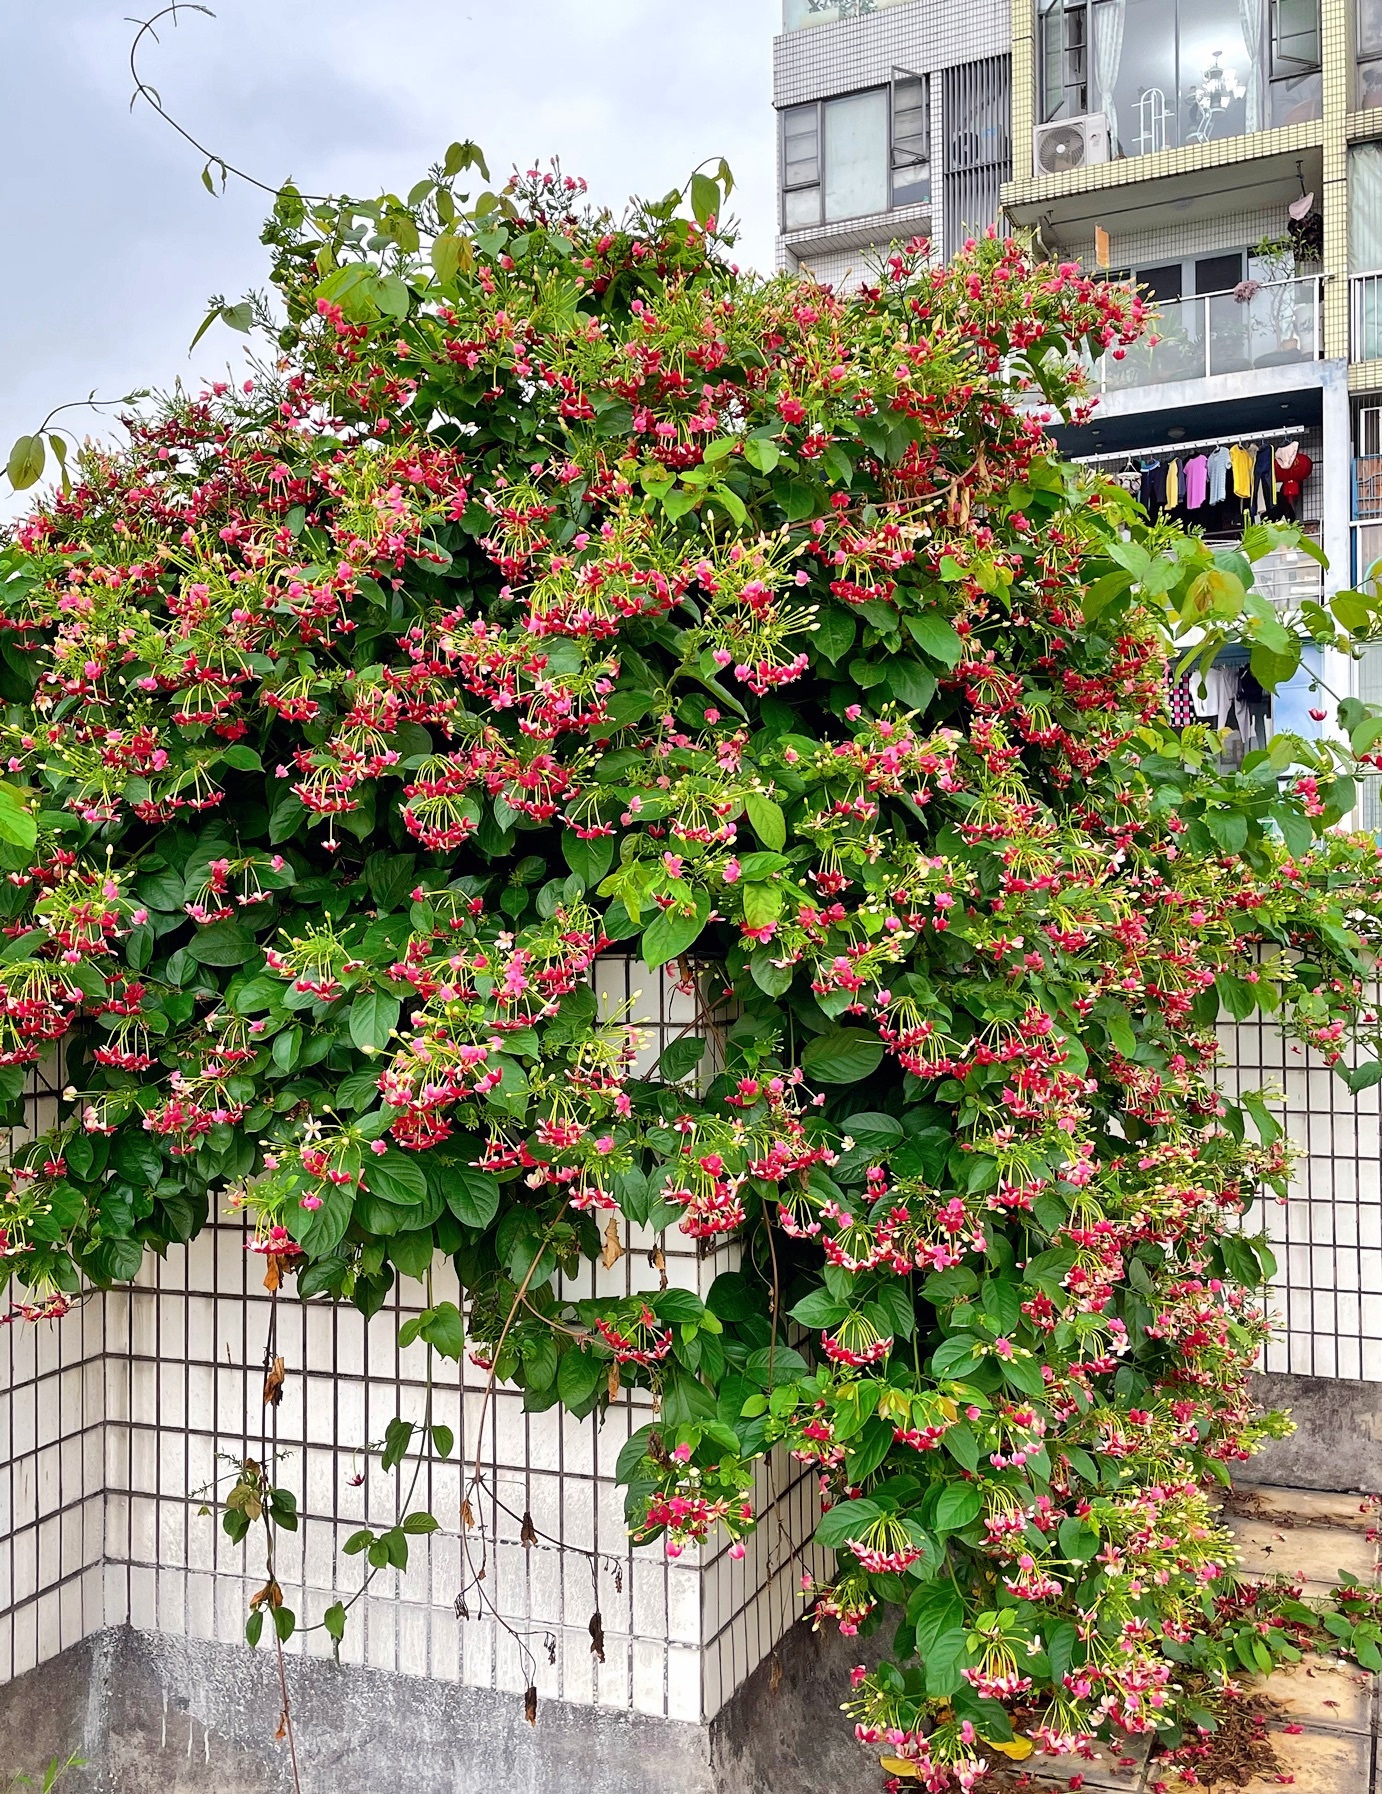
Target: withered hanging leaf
column 282, row 1731
column 271, row 1595
column 462, row 1611
column 527, row 1532
column 597, row 1636
column 615, row 1382
column 614, row 1249
column 530, row 1705
column 775, row 1673
column 659, row 1263
column 549, row 1644
column 467, row 1515
column 273, row 1272
column 273, row 1384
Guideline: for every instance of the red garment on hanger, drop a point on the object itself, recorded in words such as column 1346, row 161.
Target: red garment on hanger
column 1292, row 475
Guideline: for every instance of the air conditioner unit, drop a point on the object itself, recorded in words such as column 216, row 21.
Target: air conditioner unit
column 1070, row 143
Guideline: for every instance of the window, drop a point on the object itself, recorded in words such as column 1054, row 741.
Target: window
column 1218, row 273
column 1170, row 72
column 911, row 141
column 858, row 154
column 1295, row 37
column 1369, row 53
column 1064, row 58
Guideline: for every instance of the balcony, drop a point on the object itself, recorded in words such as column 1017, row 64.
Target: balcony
column 1278, row 325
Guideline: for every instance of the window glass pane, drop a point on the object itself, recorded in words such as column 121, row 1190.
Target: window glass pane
column 1369, row 85
column 799, row 13
column 1162, row 284
column 1365, row 208
column 911, row 143
column 1370, row 27
column 1297, row 100
column 800, row 145
column 1135, row 74
column 1222, row 91
column 1052, row 78
column 801, row 207
column 1218, row 273
column 856, row 154
column 1295, row 36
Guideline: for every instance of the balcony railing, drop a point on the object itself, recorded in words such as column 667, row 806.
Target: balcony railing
column 1365, row 317
column 1219, row 333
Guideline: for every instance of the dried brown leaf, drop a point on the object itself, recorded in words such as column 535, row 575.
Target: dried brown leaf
column 273, row 1384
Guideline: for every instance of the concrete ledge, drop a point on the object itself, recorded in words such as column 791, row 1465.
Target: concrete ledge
column 1337, row 1443
column 149, row 1711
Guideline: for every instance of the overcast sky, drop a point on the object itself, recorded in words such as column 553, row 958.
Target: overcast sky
column 113, row 244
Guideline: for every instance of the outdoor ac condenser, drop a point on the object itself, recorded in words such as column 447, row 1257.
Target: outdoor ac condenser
column 1070, row 143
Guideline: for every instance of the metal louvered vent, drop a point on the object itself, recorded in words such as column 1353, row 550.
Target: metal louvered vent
column 977, row 117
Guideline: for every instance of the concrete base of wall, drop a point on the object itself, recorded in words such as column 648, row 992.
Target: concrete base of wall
column 1337, row 1443
column 152, row 1714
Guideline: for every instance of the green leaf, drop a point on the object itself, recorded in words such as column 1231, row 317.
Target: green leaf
column 958, row 1506
column 443, row 1440
column 681, row 1057
column 397, row 1435
column 471, row 1195
column 25, row 465
column 819, row 1309
column 935, row 635
column 671, row 932
column 334, row 1621
column 17, row 825
column 767, row 821
column 373, row 1017
column 420, row 1523
column 221, row 944
column 395, row 1177
column 1078, row 1541
column 872, row 1130
column 705, row 198
column 589, row 860
column 579, row 1376
column 843, row 1056
column 846, row 1520
column 834, row 632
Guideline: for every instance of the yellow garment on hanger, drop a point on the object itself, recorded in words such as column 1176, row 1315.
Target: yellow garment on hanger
column 1241, row 462
column 1172, row 485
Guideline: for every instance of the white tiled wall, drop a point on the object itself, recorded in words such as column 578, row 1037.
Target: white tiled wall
column 1327, row 1236
column 113, row 1422
column 123, row 1426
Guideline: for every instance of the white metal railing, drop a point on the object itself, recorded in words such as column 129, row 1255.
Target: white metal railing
column 1270, row 323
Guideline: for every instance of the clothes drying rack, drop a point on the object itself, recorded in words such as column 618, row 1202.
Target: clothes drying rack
column 1275, row 434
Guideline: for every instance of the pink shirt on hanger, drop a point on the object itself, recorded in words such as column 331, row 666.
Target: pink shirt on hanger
column 1195, row 478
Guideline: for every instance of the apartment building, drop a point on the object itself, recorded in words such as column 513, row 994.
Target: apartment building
column 1227, row 154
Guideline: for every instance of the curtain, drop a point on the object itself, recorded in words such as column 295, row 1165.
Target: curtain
column 1365, row 208
column 1252, row 17
column 1109, row 20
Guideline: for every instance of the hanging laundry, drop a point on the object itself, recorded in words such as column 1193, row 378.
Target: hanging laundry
column 1180, row 704
column 1242, row 462
column 1152, row 488
column 1172, row 485
column 1293, row 468
column 1196, row 481
column 1218, row 467
column 1263, row 481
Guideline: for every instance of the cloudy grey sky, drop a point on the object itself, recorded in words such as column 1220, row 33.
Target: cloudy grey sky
column 114, row 244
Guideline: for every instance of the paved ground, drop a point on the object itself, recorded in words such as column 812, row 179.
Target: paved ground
column 1324, row 1715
